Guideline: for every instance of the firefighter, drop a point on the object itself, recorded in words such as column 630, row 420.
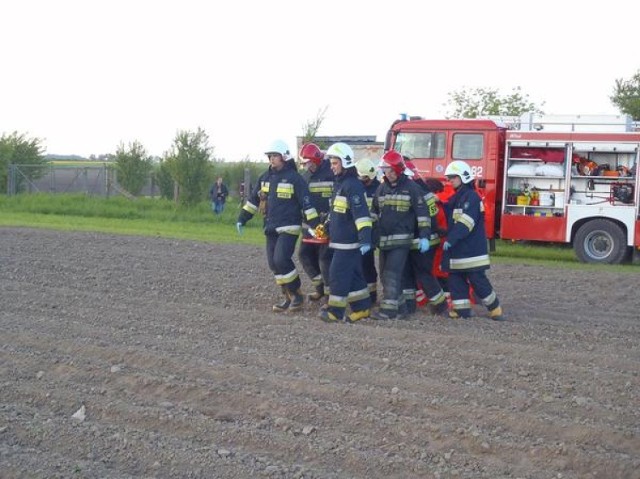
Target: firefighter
column 350, row 239
column 315, row 257
column 367, row 174
column 282, row 196
column 466, row 256
column 400, row 208
column 419, row 268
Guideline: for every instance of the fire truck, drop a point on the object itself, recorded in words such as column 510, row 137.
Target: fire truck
column 554, row 179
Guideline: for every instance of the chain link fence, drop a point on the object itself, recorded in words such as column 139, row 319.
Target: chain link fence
column 98, row 180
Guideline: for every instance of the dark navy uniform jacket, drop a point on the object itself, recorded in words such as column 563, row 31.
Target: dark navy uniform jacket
column 399, row 209
column 349, row 220
column 288, row 199
column 466, row 232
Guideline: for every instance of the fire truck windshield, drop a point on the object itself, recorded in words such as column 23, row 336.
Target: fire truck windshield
column 420, row 145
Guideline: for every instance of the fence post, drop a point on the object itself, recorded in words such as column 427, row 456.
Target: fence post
column 85, row 180
column 247, row 186
column 11, row 180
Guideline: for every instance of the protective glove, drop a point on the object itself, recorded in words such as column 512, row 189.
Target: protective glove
column 239, row 227
column 365, row 248
column 312, row 233
column 446, row 245
column 423, row 245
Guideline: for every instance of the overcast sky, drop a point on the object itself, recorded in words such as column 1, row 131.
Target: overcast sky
column 85, row 75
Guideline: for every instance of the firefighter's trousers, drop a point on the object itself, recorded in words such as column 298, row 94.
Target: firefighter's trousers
column 422, row 269
column 392, row 264
column 347, row 283
column 280, row 250
column 316, row 260
column 459, row 282
column 370, row 273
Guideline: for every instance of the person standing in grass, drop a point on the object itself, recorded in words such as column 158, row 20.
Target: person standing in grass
column 218, row 195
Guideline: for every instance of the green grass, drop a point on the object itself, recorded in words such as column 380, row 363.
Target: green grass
column 163, row 218
column 144, row 216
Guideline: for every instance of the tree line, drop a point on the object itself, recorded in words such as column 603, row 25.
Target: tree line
column 187, row 170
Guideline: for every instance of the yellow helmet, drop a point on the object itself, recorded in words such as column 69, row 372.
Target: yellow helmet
column 366, row 168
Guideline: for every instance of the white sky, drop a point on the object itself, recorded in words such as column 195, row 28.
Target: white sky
column 85, row 75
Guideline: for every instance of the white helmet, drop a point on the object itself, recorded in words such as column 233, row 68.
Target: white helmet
column 279, row 146
column 342, row 151
column 461, row 169
column 366, row 168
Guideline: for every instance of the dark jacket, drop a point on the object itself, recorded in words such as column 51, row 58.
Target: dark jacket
column 287, row 201
column 219, row 190
column 466, row 232
column 349, row 220
column 400, row 210
column 320, row 186
column 370, row 191
column 433, row 208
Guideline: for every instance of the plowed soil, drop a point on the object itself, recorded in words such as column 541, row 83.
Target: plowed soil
column 172, row 352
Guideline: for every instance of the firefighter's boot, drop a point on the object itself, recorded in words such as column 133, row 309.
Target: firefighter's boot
column 328, row 317
column 439, row 309
column 355, row 316
column 297, row 300
column 496, row 314
column 283, row 305
column 374, row 297
column 383, row 315
column 318, row 294
column 465, row 313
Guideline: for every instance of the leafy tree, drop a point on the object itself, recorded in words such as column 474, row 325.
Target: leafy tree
column 626, row 96
column 164, row 180
column 478, row 102
column 189, row 162
column 133, row 165
column 17, row 149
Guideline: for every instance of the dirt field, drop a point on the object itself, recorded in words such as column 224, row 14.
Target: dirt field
column 184, row 372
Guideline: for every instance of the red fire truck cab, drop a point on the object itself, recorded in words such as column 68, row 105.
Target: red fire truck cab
column 564, row 179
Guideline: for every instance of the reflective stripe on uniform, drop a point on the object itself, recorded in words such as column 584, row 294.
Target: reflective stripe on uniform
column 337, row 301
column 461, row 304
column 344, row 246
column 396, row 240
column 322, row 188
column 398, row 202
column 465, row 219
column 469, row 263
column 250, row 208
column 489, row 299
column 285, row 190
column 290, row 229
column 286, row 278
column 358, row 295
column 363, row 222
column 311, row 214
column 424, row 222
column 340, row 204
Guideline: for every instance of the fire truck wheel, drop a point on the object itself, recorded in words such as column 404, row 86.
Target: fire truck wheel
column 601, row 241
